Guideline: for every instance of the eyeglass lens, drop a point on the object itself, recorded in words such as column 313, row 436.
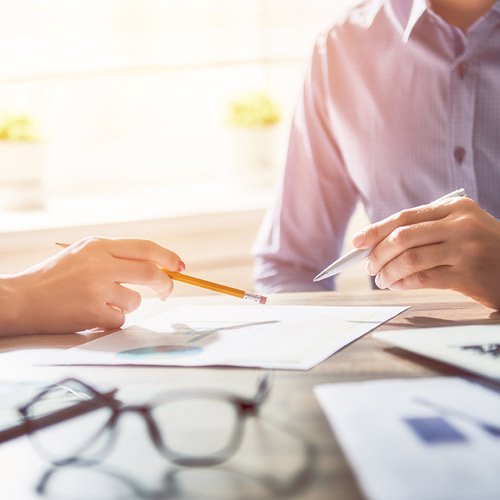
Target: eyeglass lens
column 197, row 427
column 80, row 436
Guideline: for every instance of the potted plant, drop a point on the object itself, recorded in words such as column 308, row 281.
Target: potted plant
column 21, row 163
column 254, row 120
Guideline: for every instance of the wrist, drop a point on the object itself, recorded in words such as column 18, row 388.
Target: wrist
column 14, row 318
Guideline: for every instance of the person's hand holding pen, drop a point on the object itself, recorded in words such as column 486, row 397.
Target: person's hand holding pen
column 82, row 287
column 448, row 244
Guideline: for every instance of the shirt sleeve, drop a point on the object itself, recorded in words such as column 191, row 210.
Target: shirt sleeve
column 303, row 230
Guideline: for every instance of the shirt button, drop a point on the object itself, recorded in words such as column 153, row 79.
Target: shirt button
column 459, row 154
column 463, row 68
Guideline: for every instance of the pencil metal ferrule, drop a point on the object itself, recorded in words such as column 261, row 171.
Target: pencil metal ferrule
column 254, row 298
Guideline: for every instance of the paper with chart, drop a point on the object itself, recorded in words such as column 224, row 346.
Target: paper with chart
column 291, row 337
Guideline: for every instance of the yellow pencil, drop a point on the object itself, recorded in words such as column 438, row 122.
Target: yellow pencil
column 216, row 287
column 209, row 285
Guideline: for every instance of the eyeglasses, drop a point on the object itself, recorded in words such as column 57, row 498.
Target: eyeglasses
column 192, row 427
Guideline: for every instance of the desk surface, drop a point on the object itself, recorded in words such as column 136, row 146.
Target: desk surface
column 291, row 399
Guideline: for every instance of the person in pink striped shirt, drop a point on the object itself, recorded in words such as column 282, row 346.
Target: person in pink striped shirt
column 399, row 107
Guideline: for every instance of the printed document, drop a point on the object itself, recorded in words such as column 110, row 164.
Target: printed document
column 288, row 337
column 416, row 439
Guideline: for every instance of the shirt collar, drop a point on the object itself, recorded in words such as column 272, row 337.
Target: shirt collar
column 417, row 9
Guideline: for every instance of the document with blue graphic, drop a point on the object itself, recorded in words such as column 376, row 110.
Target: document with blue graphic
column 415, row 439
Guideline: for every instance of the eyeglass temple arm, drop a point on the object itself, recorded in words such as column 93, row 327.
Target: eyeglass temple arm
column 263, row 387
column 59, row 416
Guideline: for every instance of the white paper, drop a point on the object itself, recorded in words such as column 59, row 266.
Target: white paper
column 471, row 347
column 288, row 337
column 392, row 461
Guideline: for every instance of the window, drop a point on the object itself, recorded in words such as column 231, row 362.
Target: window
column 132, row 93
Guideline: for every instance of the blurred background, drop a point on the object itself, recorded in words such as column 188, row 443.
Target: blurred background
column 164, row 119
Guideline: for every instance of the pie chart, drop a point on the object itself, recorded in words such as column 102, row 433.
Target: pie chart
column 161, row 351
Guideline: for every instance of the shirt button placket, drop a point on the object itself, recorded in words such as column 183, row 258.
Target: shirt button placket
column 462, row 106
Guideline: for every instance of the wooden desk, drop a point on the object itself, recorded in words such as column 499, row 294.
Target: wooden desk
column 291, row 400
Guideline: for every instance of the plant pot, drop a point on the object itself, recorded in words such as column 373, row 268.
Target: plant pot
column 255, row 155
column 21, row 175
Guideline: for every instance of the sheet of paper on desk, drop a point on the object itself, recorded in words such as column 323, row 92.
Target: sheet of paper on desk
column 289, row 337
column 471, row 347
column 416, row 439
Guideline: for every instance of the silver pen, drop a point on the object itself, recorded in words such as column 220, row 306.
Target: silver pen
column 355, row 256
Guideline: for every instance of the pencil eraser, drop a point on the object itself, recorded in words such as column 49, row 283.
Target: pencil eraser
column 262, row 300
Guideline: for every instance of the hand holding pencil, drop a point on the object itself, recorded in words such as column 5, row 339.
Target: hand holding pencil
column 83, row 286
column 209, row 285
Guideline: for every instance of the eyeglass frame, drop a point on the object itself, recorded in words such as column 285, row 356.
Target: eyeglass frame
column 245, row 407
